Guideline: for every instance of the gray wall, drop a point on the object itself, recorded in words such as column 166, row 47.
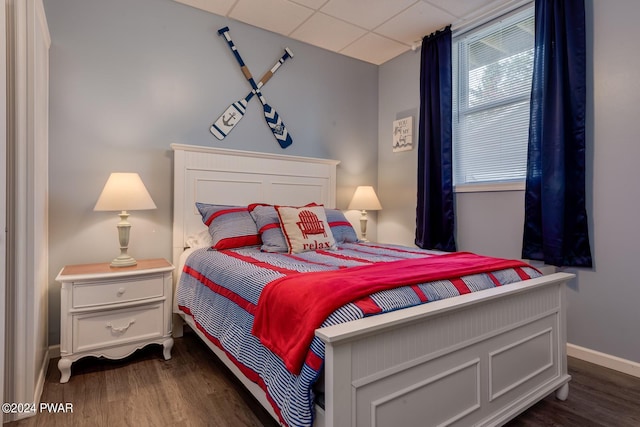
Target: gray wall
column 128, row 78
column 603, row 313
column 399, row 87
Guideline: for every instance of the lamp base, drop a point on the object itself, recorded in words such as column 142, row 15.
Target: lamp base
column 363, row 226
column 123, row 260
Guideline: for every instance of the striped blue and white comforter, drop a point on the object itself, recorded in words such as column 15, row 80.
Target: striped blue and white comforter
column 221, row 289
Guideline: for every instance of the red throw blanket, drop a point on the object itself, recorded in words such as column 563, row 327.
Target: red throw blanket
column 291, row 308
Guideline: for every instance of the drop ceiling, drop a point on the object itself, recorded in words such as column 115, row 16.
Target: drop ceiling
column 374, row 31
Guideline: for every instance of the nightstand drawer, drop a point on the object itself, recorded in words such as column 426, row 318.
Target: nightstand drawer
column 104, row 329
column 117, row 291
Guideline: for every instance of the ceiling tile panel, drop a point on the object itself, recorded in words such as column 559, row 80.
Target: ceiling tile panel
column 415, row 22
column 327, row 32
column 279, row 16
column 313, row 4
column 365, row 13
column 219, row 7
column 462, row 8
column 374, row 49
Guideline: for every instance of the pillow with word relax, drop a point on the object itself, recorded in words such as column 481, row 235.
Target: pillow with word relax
column 305, row 229
column 266, row 218
column 268, row 223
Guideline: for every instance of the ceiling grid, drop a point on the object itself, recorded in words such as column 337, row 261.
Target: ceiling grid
column 374, row 31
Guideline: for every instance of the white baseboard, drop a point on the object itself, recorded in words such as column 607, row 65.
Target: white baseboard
column 37, row 394
column 54, row 351
column 42, row 375
column 606, row 360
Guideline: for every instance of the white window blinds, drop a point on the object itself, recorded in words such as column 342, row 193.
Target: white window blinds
column 492, row 69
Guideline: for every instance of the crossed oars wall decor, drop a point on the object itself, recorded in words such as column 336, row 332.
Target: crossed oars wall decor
column 232, row 115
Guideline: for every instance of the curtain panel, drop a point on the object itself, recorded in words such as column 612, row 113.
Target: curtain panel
column 435, row 210
column 556, row 229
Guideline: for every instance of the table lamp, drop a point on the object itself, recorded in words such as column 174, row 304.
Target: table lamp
column 124, row 192
column 364, row 199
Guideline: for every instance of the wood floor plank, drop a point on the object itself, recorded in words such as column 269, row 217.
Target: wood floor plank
column 195, row 389
column 597, row 397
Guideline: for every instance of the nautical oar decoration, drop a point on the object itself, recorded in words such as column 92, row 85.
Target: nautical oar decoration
column 232, row 115
column 270, row 115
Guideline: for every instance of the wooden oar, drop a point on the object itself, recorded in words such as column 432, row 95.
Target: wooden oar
column 270, row 114
column 232, row 115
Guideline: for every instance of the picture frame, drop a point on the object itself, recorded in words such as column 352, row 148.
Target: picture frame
column 403, row 134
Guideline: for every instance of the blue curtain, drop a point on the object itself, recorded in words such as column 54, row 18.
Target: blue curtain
column 435, row 210
column 556, row 230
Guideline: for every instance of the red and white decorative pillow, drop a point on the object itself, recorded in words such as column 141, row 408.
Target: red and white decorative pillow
column 305, row 228
column 273, row 240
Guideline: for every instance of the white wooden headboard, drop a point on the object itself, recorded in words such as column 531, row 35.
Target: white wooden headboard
column 233, row 177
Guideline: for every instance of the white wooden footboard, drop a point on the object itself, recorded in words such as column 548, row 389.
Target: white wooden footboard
column 478, row 359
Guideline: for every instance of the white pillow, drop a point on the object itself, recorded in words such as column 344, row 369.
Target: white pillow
column 200, row 239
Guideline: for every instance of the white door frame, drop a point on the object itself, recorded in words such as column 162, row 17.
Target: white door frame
column 26, row 285
column 3, row 188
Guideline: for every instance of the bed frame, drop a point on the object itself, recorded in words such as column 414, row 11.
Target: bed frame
column 476, row 359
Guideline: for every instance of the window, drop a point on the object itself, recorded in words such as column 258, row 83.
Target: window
column 492, row 69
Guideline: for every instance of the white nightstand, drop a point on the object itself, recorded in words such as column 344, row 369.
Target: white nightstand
column 111, row 312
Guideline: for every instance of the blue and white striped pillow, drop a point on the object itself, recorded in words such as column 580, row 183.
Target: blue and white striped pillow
column 341, row 228
column 230, row 226
column 268, row 225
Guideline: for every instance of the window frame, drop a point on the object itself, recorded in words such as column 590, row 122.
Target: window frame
column 460, row 80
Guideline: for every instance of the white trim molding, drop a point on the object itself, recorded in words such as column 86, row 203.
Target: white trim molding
column 3, row 190
column 27, row 49
column 606, row 360
column 489, row 187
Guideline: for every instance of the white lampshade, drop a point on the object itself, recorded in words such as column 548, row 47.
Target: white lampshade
column 124, row 192
column 365, row 199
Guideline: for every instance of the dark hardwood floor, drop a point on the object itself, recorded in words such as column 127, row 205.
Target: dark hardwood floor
column 195, row 389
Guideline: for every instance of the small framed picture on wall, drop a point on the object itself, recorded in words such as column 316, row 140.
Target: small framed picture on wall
column 403, row 134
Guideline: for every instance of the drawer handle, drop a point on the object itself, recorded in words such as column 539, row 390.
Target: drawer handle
column 121, row 291
column 122, row 329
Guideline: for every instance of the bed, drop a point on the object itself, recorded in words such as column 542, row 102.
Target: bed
column 475, row 359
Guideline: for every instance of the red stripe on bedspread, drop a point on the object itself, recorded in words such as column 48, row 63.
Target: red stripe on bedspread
column 368, row 306
column 460, row 286
column 494, row 279
column 230, row 295
column 259, row 263
column 522, row 274
column 306, row 300
column 314, row 361
column 337, row 254
column 419, row 293
column 307, row 261
column 395, row 249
